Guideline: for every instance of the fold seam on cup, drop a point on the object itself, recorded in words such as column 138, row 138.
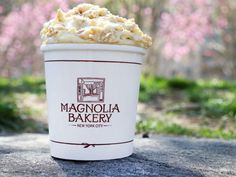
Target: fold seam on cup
column 94, row 47
column 86, row 145
column 96, row 61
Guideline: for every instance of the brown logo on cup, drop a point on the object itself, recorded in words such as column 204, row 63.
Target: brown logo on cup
column 90, row 89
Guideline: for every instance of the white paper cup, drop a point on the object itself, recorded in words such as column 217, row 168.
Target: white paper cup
column 92, row 93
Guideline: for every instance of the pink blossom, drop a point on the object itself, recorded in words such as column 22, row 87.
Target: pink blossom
column 1, row 9
column 186, row 25
column 135, row 8
column 222, row 22
column 19, row 38
column 147, row 11
column 123, row 11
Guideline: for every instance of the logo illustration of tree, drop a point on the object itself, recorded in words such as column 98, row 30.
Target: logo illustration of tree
column 92, row 87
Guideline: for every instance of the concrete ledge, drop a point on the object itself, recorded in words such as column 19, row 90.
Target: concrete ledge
column 27, row 155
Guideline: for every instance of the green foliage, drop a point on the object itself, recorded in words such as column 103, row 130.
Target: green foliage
column 154, row 126
column 150, row 87
column 157, row 126
column 25, row 84
column 12, row 118
column 214, row 101
column 214, row 98
column 180, row 83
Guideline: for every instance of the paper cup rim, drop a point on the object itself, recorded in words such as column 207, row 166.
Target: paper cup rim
column 98, row 47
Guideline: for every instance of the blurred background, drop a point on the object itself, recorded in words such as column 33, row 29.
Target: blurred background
column 188, row 78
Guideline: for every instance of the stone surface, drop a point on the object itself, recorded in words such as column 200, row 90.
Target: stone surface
column 28, row 155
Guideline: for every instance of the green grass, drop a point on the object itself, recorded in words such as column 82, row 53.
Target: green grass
column 13, row 118
column 151, row 86
column 215, row 98
column 25, row 84
column 155, row 126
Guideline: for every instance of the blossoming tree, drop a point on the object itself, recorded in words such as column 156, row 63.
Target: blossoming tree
column 19, row 37
column 178, row 28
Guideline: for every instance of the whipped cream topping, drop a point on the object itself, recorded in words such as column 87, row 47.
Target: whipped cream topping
column 89, row 23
